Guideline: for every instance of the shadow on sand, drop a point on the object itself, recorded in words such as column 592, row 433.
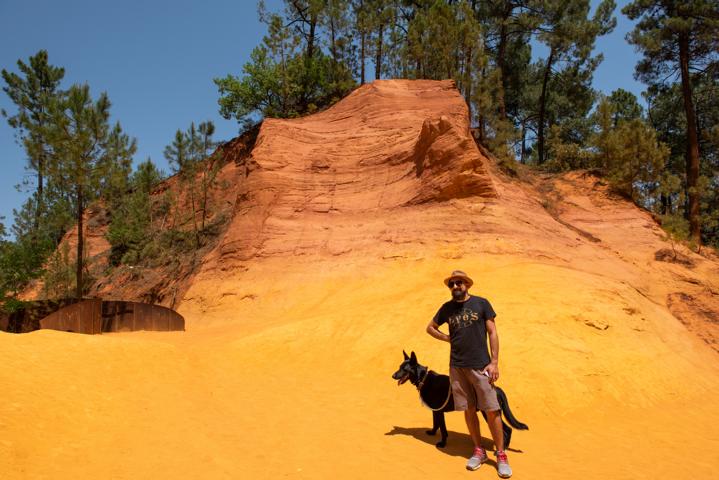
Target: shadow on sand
column 458, row 444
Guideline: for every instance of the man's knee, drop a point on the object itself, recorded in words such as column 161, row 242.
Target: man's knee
column 492, row 414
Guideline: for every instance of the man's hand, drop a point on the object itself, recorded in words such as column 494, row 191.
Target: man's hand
column 433, row 330
column 493, row 368
column 492, row 371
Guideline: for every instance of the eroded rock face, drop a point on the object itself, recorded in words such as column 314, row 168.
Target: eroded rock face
column 389, row 144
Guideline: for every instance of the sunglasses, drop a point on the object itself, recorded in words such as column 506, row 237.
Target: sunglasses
column 453, row 283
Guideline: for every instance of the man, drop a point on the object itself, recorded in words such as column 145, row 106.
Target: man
column 472, row 371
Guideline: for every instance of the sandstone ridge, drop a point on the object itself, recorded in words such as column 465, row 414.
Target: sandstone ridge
column 388, row 145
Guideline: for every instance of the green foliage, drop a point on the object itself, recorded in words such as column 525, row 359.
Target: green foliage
column 43, row 219
column 660, row 27
column 564, row 155
column 33, row 92
column 679, row 44
column 20, row 262
column 146, row 177
column 628, row 152
column 567, row 96
column 636, row 159
column 676, row 228
column 77, row 157
column 190, row 155
column 115, row 165
column 89, row 156
column 11, row 305
column 624, row 106
column 59, row 276
column 129, row 232
column 282, row 79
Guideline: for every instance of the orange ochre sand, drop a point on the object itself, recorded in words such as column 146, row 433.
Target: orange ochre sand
column 290, row 378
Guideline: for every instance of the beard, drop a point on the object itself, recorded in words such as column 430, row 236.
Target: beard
column 457, row 294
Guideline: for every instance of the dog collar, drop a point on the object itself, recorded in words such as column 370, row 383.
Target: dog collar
column 421, row 382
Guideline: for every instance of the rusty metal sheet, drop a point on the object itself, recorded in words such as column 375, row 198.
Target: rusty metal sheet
column 82, row 317
column 95, row 316
column 118, row 316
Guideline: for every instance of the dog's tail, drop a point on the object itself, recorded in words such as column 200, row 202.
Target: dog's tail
column 504, row 405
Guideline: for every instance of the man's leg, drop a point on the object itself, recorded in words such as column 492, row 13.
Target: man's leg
column 465, row 398
column 494, row 421
column 470, row 416
column 479, row 456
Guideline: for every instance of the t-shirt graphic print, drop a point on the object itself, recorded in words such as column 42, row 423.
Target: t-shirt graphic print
column 467, row 331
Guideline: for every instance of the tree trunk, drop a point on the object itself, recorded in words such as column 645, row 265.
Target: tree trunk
column 468, row 82
column 692, row 154
column 362, row 59
column 311, row 39
column 666, row 204
column 333, row 49
column 194, row 216
column 542, row 106
column 523, row 153
column 378, row 55
column 361, row 29
column 309, row 55
column 205, row 187
column 500, row 63
column 78, row 270
column 39, row 205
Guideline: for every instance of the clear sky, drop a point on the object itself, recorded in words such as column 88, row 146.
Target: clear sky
column 156, row 60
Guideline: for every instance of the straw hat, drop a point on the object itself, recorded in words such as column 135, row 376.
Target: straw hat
column 459, row 274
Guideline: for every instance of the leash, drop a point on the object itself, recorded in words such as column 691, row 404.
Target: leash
column 419, row 389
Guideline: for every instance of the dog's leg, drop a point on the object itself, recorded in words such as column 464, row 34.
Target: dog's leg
column 435, row 423
column 443, row 429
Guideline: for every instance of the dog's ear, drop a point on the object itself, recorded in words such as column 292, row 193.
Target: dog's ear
column 405, row 355
column 413, row 359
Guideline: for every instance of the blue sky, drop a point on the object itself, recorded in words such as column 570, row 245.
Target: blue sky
column 156, row 60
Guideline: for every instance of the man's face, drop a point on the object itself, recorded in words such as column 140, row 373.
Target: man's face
column 458, row 287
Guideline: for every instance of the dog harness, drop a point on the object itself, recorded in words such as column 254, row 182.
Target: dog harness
column 419, row 390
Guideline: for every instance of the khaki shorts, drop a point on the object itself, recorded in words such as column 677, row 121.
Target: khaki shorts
column 471, row 390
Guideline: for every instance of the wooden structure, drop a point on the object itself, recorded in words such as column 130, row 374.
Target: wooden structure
column 95, row 316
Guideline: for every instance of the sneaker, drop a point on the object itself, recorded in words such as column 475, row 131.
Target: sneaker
column 477, row 459
column 503, row 468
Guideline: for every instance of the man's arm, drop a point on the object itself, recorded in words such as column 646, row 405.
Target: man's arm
column 493, row 368
column 433, row 329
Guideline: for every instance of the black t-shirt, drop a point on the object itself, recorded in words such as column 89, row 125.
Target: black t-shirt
column 467, row 331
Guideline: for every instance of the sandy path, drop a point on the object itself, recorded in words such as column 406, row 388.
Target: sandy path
column 296, row 383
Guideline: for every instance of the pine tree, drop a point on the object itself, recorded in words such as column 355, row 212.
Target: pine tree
column 628, row 153
column 78, row 133
column 32, row 92
column 116, row 166
column 290, row 74
column 336, row 20
column 679, row 39
column 129, row 232
column 182, row 155
column 569, row 35
column 361, row 28
column 210, row 164
column 625, row 106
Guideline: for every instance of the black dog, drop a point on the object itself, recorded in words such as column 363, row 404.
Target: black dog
column 436, row 393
